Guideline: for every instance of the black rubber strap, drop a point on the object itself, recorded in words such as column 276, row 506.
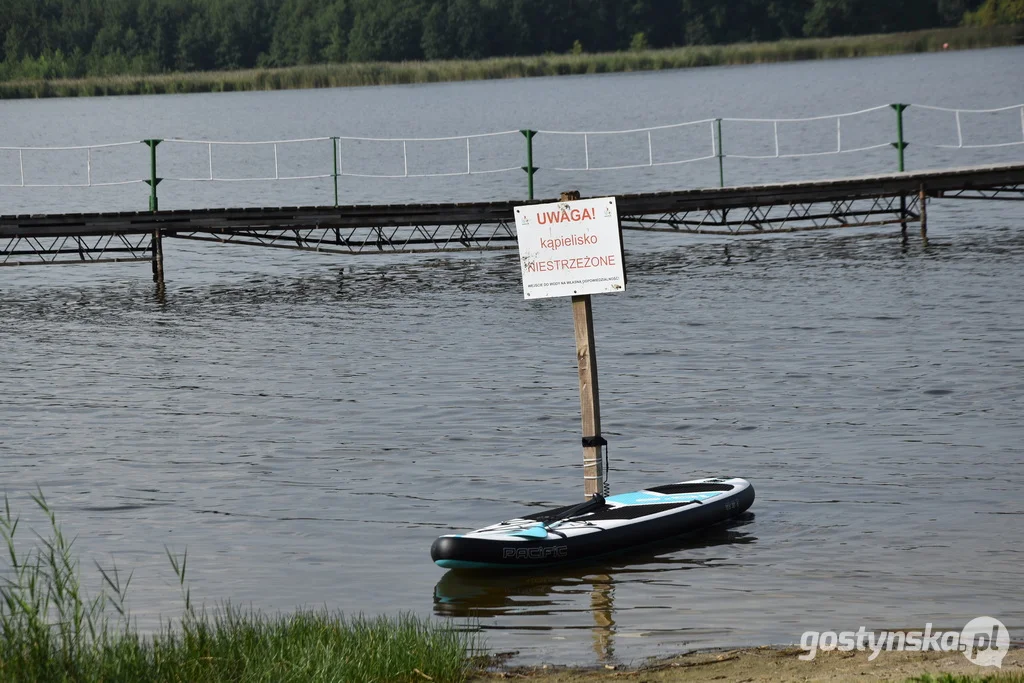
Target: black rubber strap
column 594, row 441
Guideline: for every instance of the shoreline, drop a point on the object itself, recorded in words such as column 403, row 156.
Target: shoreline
column 405, row 73
column 774, row 663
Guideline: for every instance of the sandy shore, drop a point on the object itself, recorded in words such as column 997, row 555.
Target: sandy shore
column 754, row 665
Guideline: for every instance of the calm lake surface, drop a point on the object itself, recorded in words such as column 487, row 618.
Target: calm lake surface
column 306, row 425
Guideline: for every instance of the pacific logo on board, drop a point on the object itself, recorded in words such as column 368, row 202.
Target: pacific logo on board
column 535, row 553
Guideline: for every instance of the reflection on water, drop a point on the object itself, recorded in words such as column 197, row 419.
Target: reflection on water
column 532, row 595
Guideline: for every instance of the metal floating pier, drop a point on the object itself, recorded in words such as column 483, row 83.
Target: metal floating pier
column 890, row 199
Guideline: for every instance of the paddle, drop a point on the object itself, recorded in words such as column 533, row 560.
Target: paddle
column 541, row 529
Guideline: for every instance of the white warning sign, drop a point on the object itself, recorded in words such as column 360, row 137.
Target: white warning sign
column 570, row 248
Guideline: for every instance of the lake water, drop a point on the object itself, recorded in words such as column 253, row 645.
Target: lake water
column 306, row 425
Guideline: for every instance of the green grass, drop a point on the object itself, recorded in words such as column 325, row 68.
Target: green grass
column 381, row 73
column 51, row 631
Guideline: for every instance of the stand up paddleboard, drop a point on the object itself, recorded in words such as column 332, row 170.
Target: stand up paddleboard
column 599, row 526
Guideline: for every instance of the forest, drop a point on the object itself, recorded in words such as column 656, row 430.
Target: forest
column 50, row 39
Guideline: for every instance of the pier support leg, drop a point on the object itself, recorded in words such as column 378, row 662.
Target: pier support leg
column 158, row 258
column 719, row 153
column 903, row 218
column 922, row 200
column 590, row 406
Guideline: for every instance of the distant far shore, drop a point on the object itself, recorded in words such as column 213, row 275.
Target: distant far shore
column 395, row 73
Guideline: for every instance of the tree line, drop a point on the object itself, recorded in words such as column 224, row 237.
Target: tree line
column 45, row 39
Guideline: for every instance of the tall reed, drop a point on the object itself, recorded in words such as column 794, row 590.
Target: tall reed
column 51, row 631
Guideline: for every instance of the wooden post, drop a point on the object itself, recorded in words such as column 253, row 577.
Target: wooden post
column 158, row 257
column 590, row 405
column 922, row 199
column 599, row 217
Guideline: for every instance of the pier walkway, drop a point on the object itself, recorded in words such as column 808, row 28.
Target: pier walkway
column 888, row 199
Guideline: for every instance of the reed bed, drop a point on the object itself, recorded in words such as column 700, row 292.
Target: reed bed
column 393, row 73
column 51, row 631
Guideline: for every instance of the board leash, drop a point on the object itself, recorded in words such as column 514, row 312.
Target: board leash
column 600, row 443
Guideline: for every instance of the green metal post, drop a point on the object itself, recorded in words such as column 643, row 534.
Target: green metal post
column 334, row 146
column 157, row 242
column 721, row 154
column 900, row 145
column 154, row 204
column 529, row 168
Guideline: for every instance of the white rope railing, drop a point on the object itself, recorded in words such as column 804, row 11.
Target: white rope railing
column 970, row 111
column 405, row 156
column 839, row 149
column 89, row 182
column 650, row 163
column 823, row 117
column 339, row 142
column 959, row 126
column 274, row 144
column 467, row 155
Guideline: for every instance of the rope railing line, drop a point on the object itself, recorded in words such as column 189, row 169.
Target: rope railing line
column 970, row 111
column 70, row 185
column 823, row 117
column 349, row 174
column 275, row 144
column 405, row 158
column 676, row 162
column 797, row 155
column 244, row 142
column 339, row 149
column 625, row 131
column 69, row 147
column 993, row 145
column 323, row 176
column 88, row 165
column 650, row 150
column 351, row 138
column 959, row 127
column 247, row 179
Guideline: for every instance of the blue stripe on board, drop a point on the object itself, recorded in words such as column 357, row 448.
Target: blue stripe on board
column 653, row 498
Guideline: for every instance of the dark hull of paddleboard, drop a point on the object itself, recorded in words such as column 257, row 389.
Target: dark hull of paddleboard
column 602, row 527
